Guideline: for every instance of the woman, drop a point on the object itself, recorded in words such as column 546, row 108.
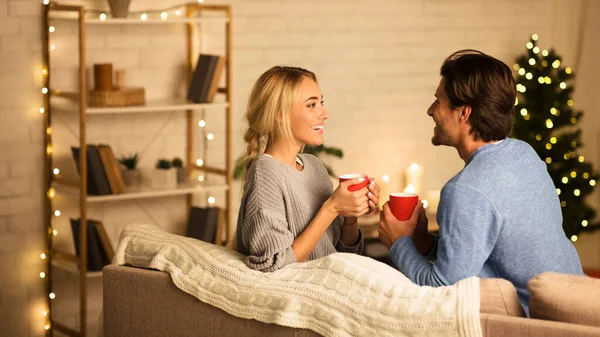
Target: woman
column 288, row 212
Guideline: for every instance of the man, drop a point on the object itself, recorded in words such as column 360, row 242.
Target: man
column 500, row 216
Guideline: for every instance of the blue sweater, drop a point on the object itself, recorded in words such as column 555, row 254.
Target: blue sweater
column 499, row 217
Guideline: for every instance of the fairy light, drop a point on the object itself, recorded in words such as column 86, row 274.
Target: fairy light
column 547, row 80
column 556, row 64
column 526, row 117
column 545, row 52
column 548, row 160
column 54, row 232
column 144, row 16
column 102, row 17
column 386, row 178
column 534, row 37
column 573, row 174
column 42, row 110
column 574, row 238
column 46, row 2
column 202, row 123
column 56, row 171
column 581, row 159
column 538, row 137
column 553, row 140
column 573, row 144
column 49, row 150
column 163, row 15
column 536, row 50
column 558, row 191
column 529, row 76
column 211, row 200
column 592, row 182
column 532, row 61
column 516, row 101
column 577, row 192
column 45, row 313
column 523, row 112
column 42, row 275
column 57, row 212
column 200, row 1
column 544, row 63
column 541, row 80
column 567, row 70
column 549, row 124
column 529, row 45
column 573, row 120
column 44, row 71
column 565, row 180
column 47, row 326
column 554, row 111
column 201, row 178
column 43, row 256
column 210, row 136
column 52, row 296
column 51, row 29
column 51, row 193
column 44, row 90
column 584, row 223
column 178, row 12
column 48, row 130
column 52, row 47
column 566, row 156
column 563, row 204
column 548, row 146
column 521, row 71
column 199, row 162
column 563, row 85
column 570, row 102
column 586, row 175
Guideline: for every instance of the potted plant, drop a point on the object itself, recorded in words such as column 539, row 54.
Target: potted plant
column 182, row 173
column 163, row 176
column 131, row 175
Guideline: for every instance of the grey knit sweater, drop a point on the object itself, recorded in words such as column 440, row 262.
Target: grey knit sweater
column 278, row 203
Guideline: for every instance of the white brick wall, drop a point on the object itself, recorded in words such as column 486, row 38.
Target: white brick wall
column 377, row 62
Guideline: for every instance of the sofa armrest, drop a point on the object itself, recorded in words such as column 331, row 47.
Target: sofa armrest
column 500, row 326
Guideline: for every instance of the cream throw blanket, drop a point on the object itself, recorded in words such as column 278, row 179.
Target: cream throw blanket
column 339, row 295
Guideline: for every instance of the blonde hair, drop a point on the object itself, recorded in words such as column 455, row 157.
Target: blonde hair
column 270, row 102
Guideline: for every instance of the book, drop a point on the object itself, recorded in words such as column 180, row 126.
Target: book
column 216, row 79
column 96, row 257
column 106, row 245
column 202, row 223
column 113, row 172
column 97, row 182
column 202, row 78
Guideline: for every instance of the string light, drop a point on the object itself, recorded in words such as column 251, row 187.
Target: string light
column 51, row 29
column 541, row 80
column 210, row 136
column 52, row 296
column 556, row 64
column 548, row 146
column 548, row 160
column 42, row 110
column 534, row 37
column 199, row 162
column 43, row 256
column 211, row 200
column 44, row 90
column 567, row 70
column 49, row 150
column 163, row 15
column 545, row 52
column 47, row 326
column 574, row 238
column 554, row 111
column 536, row 50
column 566, row 156
column 144, row 16
column 573, row 144
column 46, row 2
column 592, row 182
column 563, row 204
column 532, row 61
column 549, row 124
column 538, row 137
column 577, row 192
column 57, row 212
column 45, row 313
column 581, row 159
column 52, row 47
column 570, row 102
column 56, row 171
column 558, row 191
column 521, row 71
column 178, row 12
column 563, row 85
column 573, row 174
column 529, row 76
column 386, row 178
column 42, row 275
column 548, row 80
column 523, row 112
column 573, row 120
column 48, row 130
column 102, row 16
column 200, row 178
column 529, row 45
column 200, row 1
column 51, row 193
column 526, row 117
column 553, row 140
column 584, row 223
column 586, row 175
column 565, row 180
column 44, row 71
column 544, row 63
column 54, row 232
column 202, row 123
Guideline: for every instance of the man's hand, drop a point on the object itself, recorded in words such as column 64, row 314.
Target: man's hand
column 391, row 229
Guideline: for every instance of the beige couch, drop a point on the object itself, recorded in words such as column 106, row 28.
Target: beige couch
column 140, row 302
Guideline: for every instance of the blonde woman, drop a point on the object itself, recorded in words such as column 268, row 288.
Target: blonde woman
column 288, row 212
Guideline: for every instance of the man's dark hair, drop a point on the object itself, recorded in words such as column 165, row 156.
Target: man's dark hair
column 486, row 85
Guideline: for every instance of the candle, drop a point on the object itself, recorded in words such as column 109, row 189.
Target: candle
column 384, row 190
column 412, row 178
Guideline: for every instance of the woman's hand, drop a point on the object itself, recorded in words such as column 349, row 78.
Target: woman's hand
column 373, row 195
column 350, row 204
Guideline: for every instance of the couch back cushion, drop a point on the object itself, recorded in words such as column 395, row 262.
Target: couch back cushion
column 499, row 296
column 565, row 298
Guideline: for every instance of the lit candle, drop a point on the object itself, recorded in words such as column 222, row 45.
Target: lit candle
column 412, row 177
column 384, row 190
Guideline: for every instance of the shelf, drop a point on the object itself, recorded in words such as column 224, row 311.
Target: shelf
column 71, row 267
column 175, row 104
column 153, row 19
column 146, row 192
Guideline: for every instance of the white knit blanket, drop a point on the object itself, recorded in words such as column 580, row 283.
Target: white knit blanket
column 338, row 295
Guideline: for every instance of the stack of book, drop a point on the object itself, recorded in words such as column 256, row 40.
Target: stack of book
column 103, row 172
column 99, row 250
column 205, row 81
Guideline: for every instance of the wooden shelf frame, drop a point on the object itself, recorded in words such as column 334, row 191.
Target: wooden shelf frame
column 66, row 261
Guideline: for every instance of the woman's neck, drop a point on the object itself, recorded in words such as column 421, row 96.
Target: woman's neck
column 283, row 151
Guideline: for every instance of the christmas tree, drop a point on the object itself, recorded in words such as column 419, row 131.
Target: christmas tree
column 546, row 119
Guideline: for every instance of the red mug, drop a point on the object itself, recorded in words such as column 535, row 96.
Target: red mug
column 351, row 176
column 403, row 204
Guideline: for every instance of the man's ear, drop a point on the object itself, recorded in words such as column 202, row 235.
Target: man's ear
column 465, row 113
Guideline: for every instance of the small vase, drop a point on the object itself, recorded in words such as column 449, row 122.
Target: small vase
column 163, row 178
column 132, row 177
column 119, row 8
column 182, row 175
